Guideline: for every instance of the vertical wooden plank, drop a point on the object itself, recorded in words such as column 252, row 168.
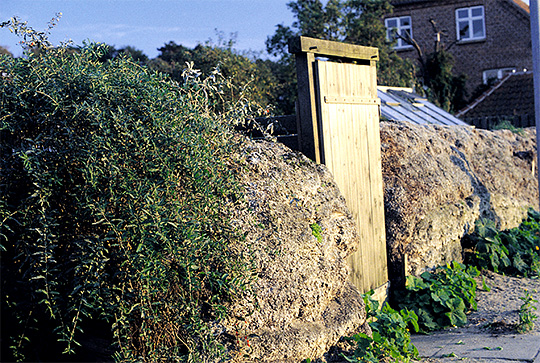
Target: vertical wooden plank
column 360, row 261
column 377, row 202
column 361, row 258
column 352, row 153
column 323, row 112
column 378, row 251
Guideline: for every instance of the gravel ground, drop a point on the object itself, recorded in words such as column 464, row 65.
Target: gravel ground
column 501, row 304
column 497, row 314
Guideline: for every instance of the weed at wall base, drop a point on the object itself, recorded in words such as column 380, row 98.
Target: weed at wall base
column 391, row 337
column 514, row 252
column 526, row 313
column 441, row 298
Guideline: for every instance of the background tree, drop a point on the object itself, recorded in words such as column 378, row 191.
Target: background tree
column 352, row 21
column 136, row 54
column 444, row 88
column 436, row 77
column 316, row 20
column 241, row 71
column 364, row 26
column 285, row 68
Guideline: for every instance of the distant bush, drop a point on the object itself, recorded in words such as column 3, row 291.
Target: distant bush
column 113, row 181
column 246, row 76
column 506, row 124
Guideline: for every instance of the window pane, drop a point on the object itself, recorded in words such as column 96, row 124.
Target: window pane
column 463, row 30
column 463, row 13
column 405, row 21
column 478, row 28
column 477, row 11
column 405, row 34
column 489, row 75
column 391, row 23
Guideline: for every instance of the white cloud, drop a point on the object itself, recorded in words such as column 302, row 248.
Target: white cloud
column 120, row 31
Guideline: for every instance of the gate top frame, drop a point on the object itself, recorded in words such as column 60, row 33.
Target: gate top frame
column 306, row 50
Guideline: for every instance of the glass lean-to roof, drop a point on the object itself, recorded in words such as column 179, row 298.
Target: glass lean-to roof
column 402, row 104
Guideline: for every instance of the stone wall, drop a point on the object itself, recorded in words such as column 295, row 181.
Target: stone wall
column 304, row 302
column 437, row 182
column 440, row 180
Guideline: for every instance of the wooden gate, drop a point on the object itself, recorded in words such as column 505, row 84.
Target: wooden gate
column 345, row 128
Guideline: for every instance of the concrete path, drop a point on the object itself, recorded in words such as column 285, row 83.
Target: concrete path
column 473, row 345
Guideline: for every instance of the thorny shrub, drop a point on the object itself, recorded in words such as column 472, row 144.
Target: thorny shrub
column 113, row 181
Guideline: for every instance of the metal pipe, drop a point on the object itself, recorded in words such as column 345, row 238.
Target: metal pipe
column 535, row 37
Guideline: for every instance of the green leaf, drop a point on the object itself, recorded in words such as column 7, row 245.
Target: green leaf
column 414, row 283
column 519, row 264
column 457, row 315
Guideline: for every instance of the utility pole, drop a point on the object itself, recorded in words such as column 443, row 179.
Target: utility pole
column 535, row 37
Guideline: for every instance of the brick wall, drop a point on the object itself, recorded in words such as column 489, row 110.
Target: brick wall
column 507, row 43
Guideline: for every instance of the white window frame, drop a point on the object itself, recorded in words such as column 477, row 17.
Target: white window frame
column 469, row 19
column 501, row 72
column 400, row 43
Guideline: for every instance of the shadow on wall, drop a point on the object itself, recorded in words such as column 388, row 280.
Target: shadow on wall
column 439, row 180
column 480, row 190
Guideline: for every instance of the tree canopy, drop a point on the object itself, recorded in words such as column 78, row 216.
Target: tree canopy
column 249, row 78
column 352, row 21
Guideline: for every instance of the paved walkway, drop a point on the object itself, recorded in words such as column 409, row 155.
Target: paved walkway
column 473, row 345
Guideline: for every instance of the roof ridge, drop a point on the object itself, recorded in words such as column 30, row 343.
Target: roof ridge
column 522, row 5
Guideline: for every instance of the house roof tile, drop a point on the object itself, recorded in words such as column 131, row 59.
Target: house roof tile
column 405, row 2
column 513, row 95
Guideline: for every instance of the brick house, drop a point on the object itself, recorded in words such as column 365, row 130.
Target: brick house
column 488, row 38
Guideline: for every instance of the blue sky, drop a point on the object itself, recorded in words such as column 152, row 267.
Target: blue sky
column 149, row 24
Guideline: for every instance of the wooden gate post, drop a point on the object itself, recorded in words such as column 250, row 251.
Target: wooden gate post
column 338, row 125
column 307, row 128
